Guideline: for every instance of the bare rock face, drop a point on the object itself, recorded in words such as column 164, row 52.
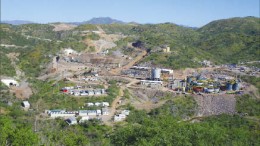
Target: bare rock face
column 215, row 104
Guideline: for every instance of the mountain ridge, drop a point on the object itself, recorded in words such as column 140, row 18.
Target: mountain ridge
column 109, row 20
column 17, row 22
column 100, row 20
column 224, row 41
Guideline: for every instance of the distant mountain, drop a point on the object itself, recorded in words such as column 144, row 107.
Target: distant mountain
column 100, row 20
column 17, row 22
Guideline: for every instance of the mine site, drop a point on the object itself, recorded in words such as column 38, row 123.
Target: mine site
column 106, row 82
column 88, row 75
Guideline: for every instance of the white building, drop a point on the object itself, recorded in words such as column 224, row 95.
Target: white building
column 105, row 111
column 89, row 112
column 90, row 104
column 151, row 83
column 83, row 112
column 125, row 112
column 178, row 83
column 10, row 82
column 84, row 119
column 99, row 112
column 119, row 117
column 90, row 92
column 69, row 51
column 72, row 121
column 97, row 92
column 55, row 110
column 61, row 114
column 97, row 104
column 26, row 104
column 105, row 104
column 92, row 112
column 68, row 88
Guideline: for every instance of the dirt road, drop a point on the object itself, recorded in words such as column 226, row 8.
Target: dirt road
column 107, row 119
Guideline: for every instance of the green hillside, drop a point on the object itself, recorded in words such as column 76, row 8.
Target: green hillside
column 5, row 65
column 173, row 122
column 10, row 36
column 221, row 41
column 231, row 40
column 35, row 49
column 246, row 25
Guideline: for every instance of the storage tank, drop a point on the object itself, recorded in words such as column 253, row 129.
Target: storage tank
column 156, row 73
column 228, row 86
column 235, row 86
column 210, row 90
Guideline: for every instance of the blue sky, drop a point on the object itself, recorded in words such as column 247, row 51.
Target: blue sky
column 185, row 12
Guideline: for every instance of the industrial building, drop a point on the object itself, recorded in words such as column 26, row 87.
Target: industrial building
column 178, row 84
column 126, row 112
column 121, row 116
column 201, row 84
column 168, row 71
column 90, row 104
column 77, row 91
column 61, row 114
column 83, row 112
column 150, row 83
column 104, row 104
column 105, row 111
column 72, row 121
column 26, row 104
column 10, row 82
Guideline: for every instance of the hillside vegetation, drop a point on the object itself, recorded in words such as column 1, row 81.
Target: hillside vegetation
column 231, row 40
column 173, row 123
column 221, row 41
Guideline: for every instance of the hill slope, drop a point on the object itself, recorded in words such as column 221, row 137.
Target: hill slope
column 231, row 40
column 221, row 41
column 17, row 22
column 100, row 20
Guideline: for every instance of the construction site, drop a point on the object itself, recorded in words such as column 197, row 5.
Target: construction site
column 146, row 86
column 149, row 86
